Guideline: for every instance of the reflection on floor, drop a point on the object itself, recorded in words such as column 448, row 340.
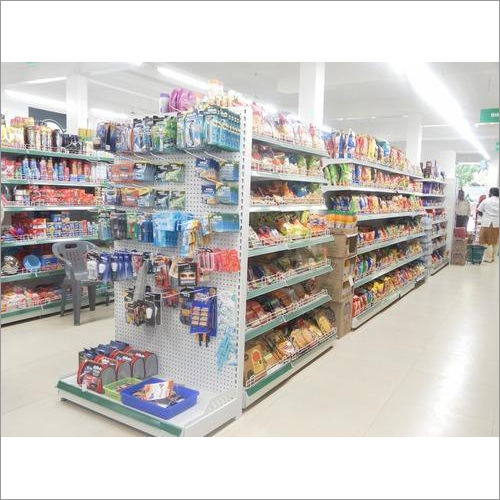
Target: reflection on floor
column 427, row 366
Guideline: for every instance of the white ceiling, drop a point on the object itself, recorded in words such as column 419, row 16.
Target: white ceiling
column 354, row 93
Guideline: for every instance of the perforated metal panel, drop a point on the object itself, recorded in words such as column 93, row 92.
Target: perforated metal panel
column 180, row 357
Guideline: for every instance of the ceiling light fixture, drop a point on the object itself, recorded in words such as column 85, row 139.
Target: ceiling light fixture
column 46, row 80
column 35, row 99
column 269, row 108
column 428, row 86
column 373, row 117
column 437, row 125
column 182, row 78
column 107, row 114
column 135, row 63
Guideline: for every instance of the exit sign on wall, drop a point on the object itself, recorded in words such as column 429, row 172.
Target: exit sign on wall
column 489, row 115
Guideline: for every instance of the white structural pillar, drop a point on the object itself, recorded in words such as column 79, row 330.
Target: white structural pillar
column 76, row 103
column 312, row 92
column 447, row 162
column 414, row 139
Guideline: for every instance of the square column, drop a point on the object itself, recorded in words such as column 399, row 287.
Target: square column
column 76, row 103
column 312, row 92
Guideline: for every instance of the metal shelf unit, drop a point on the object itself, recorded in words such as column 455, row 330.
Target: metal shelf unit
column 45, row 309
column 290, row 245
column 283, row 176
column 288, row 146
column 387, row 243
column 52, row 208
column 9, row 278
column 393, row 215
column 43, row 241
column 369, row 189
column 57, row 154
column 379, row 306
column 366, row 163
column 439, row 265
column 372, row 276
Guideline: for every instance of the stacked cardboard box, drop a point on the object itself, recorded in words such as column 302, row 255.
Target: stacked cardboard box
column 459, row 251
column 339, row 282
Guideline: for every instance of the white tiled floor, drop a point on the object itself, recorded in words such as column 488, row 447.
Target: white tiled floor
column 427, row 366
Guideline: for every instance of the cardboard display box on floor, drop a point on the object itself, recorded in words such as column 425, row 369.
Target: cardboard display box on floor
column 458, row 259
column 459, row 246
column 343, row 316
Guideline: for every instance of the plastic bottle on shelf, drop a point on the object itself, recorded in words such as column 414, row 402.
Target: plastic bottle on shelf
column 26, row 173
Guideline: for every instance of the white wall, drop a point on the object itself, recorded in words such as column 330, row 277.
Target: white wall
column 12, row 108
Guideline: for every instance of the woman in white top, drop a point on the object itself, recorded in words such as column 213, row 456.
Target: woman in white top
column 488, row 209
column 462, row 210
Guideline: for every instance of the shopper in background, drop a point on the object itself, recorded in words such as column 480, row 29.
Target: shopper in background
column 478, row 217
column 462, row 210
column 488, row 210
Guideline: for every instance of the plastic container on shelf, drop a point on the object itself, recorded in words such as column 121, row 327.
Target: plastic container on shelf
column 111, row 391
column 190, row 397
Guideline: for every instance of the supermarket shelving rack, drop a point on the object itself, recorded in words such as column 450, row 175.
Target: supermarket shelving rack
column 377, row 307
column 39, row 310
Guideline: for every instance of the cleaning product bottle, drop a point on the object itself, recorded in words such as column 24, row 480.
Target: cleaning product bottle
column 50, row 169
column 26, row 173
column 35, row 174
column 43, row 169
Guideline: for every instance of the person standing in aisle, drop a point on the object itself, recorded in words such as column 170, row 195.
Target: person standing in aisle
column 478, row 217
column 488, row 210
column 462, row 210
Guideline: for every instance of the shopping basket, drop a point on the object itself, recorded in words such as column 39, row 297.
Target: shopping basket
column 475, row 253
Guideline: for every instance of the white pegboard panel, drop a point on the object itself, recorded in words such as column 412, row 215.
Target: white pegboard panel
column 180, row 357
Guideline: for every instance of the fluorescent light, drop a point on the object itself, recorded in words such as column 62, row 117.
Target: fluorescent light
column 46, row 80
column 373, row 117
column 107, row 114
column 269, row 108
column 135, row 63
column 182, row 78
column 35, row 99
column 437, row 125
column 435, row 94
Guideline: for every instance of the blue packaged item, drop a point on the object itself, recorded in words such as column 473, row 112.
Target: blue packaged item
column 227, row 194
column 104, row 268
column 25, row 168
column 208, row 194
column 128, row 266
column 118, row 344
column 189, row 399
column 229, row 171
column 35, row 173
column 114, row 267
column 224, row 223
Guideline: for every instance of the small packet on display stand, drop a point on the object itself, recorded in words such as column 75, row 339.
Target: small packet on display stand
column 187, row 273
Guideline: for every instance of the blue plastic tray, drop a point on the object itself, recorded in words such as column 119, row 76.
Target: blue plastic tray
column 190, row 398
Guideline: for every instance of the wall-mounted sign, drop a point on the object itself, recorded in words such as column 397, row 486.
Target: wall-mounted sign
column 489, row 115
